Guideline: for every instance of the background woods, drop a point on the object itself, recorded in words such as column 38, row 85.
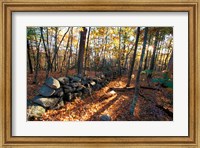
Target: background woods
column 139, row 59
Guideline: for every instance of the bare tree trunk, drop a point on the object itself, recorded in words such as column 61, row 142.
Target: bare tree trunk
column 70, row 52
column 46, row 53
column 154, row 53
column 81, row 50
column 29, row 57
column 165, row 61
column 86, row 51
column 64, row 59
column 126, row 59
column 170, row 66
column 57, row 47
column 119, row 60
column 76, row 61
column 37, row 61
column 133, row 59
column 147, row 54
column 135, row 98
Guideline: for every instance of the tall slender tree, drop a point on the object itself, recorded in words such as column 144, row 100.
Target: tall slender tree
column 133, row 59
column 86, row 51
column 137, row 85
column 46, row 53
column 37, row 60
column 81, row 50
column 154, row 53
column 29, row 57
column 70, row 52
column 147, row 54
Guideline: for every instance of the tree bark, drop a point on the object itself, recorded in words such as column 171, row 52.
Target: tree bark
column 135, row 98
column 119, row 60
column 86, row 51
column 70, row 52
column 154, row 53
column 46, row 53
column 57, row 47
column 170, row 66
column 147, row 55
column 29, row 57
column 81, row 50
column 37, row 61
column 64, row 59
column 133, row 59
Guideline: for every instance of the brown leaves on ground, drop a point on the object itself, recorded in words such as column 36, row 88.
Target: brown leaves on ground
column 116, row 106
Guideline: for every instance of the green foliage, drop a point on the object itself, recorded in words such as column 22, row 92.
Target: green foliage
column 165, row 81
column 147, row 72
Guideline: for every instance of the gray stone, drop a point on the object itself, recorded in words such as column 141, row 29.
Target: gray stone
column 46, row 102
column 35, row 111
column 59, row 93
column 92, row 83
column 53, row 83
column 46, row 91
column 70, row 97
column 68, row 90
column 78, row 94
column 29, row 102
column 63, row 80
column 75, row 84
column 83, row 82
column 80, row 87
column 76, row 79
column 105, row 118
column 86, row 91
column 59, row 105
column 97, row 87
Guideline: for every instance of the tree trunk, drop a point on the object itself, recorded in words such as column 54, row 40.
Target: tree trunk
column 147, row 55
column 37, row 62
column 165, row 61
column 64, row 59
column 154, row 53
column 57, row 47
column 29, row 57
column 133, row 59
column 135, row 98
column 70, row 52
column 86, row 51
column 126, row 59
column 119, row 60
column 46, row 53
column 170, row 66
column 81, row 50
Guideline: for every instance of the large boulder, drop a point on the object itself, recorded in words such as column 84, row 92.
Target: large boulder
column 46, row 102
column 63, row 80
column 58, row 105
column 46, row 91
column 52, row 83
column 35, row 111
column 59, row 93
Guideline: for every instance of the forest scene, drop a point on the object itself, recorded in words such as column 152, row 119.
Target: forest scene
column 99, row 73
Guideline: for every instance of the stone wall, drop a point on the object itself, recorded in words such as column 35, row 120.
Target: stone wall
column 55, row 92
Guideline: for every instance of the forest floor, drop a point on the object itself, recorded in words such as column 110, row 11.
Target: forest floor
column 152, row 104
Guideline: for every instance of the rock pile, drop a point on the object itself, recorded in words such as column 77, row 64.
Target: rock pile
column 55, row 92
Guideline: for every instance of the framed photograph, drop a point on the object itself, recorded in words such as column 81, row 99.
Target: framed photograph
column 87, row 73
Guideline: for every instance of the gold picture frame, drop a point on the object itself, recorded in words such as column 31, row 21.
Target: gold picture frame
column 9, row 6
